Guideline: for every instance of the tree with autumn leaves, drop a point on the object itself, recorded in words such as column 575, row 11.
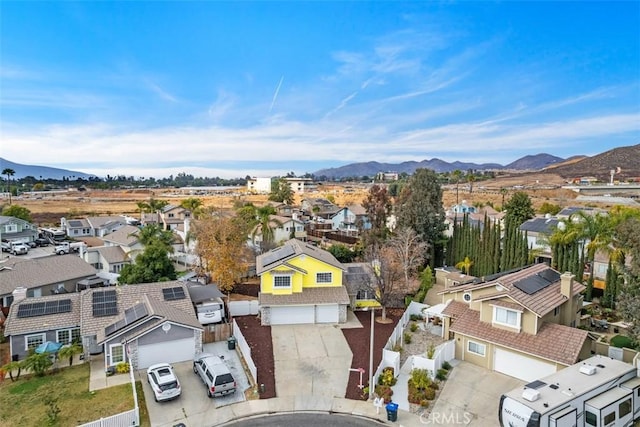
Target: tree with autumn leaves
column 222, row 248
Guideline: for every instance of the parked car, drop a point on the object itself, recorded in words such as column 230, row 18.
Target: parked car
column 215, row 374
column 163, row 382
column 40, row 241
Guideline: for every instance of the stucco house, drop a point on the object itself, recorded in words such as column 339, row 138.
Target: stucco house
column 145, row 323
column 12, row 228
column 521, row 324
column 318, row 207
column 55, row 274
column 172, row 217
column 284, row 228
column 108, row 260
column 538, row 231
column 351, row 219
column 359, row 278
column 300, row 283
column 125, row 238
column 97, row 226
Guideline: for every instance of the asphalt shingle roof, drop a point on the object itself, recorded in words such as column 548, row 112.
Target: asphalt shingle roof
column 125, row 236
column 36, row 272
column 325, row 295
column 292, row 249
column 25, row 325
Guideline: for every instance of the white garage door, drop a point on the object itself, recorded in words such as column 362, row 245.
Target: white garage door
column 327, row 313
column 169, row 352
column 521, row 367
column 292, row 315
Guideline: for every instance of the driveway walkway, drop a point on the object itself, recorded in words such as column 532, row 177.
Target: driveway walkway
column 310, row 360
column 471, row 396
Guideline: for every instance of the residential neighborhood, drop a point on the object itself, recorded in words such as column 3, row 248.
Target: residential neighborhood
column 310, row 295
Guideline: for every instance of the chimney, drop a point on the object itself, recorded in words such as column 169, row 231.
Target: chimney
column 566, row 284
column 19, row 293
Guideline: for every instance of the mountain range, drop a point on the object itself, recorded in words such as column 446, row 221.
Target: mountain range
column 624, row 160
column 41, row 172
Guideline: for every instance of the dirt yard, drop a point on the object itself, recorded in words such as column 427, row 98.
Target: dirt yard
column 47, row 210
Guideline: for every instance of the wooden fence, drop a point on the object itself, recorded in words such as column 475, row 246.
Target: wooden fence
column 215, row 333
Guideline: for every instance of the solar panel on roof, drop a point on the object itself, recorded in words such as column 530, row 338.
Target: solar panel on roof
column 277, row 254
column 532, row 284
column 550, row 275
column 131, row 315
column 172, row 294
column 44, row 308
column 104, row 303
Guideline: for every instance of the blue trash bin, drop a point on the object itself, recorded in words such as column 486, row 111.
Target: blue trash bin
column 392, row 411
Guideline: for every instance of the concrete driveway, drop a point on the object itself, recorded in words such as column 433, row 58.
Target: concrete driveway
column 471, row 396
column 310, row 360
column 193, row 405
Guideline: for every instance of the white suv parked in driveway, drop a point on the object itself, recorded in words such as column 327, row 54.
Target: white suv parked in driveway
column 163, row 382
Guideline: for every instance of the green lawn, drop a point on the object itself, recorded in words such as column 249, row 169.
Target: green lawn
column 30, row 400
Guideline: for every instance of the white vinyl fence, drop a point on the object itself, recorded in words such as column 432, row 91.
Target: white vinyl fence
column 243, row 308
column 124, row 419
column 443, row 353
column 245, row 351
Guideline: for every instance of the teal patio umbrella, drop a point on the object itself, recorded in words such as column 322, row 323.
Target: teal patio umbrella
column 48, row 347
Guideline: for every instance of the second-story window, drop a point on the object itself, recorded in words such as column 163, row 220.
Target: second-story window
column 506, row 317
column 323, row 278
column 281, row 282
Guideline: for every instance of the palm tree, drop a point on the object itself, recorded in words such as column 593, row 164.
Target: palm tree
column 471, row 178
column 596, row 233
column 267, row 225
column 70, row 351
column 465, row 265
column 9, row 173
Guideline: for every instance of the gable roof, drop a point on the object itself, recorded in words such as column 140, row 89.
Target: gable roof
column 124, row 236
column 540, row 302
column 12, row 219
column 558, row 343
column 105, row 221
column 23, row 325
column 112, row 254
column 291, row 249
column 157, row 313
column 127, row 296
column 36, row 272
column 540, row 225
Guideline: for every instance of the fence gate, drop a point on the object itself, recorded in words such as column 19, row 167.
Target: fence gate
column 215, row 333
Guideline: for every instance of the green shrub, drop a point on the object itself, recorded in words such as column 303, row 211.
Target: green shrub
column 446, row 365
column 429, row 393
column 441, row 374
column 387, row 377
column 407, row 337
column 122, row 368
column 416, row 317
column 413, row 327
column 420, row 378
column 397, row 347
column 621, row 341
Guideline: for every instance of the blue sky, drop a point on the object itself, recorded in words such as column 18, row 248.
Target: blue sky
column 262, row 88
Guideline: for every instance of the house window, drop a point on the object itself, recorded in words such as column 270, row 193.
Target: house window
column 476, row 348
column 506, row 317
column 32, row 341
column 364, row 294
column 323, row 278
column 11, row 228
column 117, row 354
column 34, row 293
column 68, row 336
column 281, row 281
column 556, row 311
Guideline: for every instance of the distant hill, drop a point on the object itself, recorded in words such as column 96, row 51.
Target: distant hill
column 37, row 172
column 601, row 165
column 535, row 162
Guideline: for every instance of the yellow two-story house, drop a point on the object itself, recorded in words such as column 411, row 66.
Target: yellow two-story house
column 522, row 324
column 300, row 283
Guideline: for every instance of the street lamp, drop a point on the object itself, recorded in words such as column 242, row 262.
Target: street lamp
column 373, row 316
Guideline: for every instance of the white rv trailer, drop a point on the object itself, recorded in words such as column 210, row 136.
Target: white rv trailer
column 597, row 392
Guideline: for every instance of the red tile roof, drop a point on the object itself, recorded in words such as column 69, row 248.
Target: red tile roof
column 455, row 309
column 553, row 342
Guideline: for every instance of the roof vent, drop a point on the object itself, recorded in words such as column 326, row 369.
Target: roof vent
column 588, row 369
column 530, row 394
